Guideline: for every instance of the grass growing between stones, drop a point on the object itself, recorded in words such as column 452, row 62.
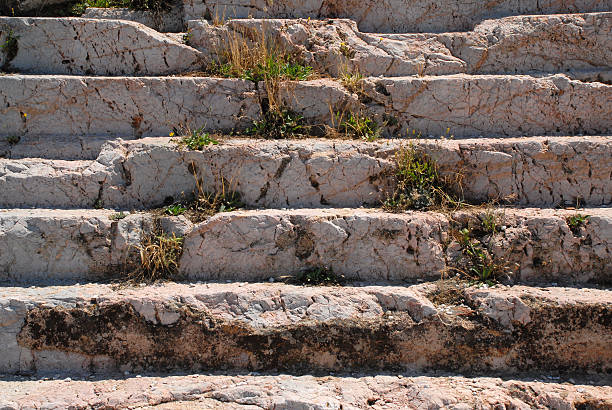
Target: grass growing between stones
column 577, row 221
column 197, row 139
column 418, row 184
column 279, row 124
column 10, row 48
column 202, row 203
column 318, row 276
column 159, row 258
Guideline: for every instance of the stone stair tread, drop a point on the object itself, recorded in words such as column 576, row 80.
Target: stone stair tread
column 470, row 105
column 220, row 391
column 263, row 327
column 535, row 245
column 537, row 171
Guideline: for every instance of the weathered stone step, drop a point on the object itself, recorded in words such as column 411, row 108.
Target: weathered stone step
column 558, row 43
column 528, row 245
column 147, row 173
column 573, row 43
column 264, row 327
column 465, row 105
column 391, row 16
column 91, row 47
column 352, row 391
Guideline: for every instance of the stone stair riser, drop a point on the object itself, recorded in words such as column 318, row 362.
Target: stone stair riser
column 393, row 16
column 92, row 47
column 225, row 327
column 460, row 104
column 560, row 43
column 311, row 173
column 534, row 246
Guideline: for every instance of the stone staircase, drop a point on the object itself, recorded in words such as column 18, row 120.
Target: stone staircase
column 511, row 102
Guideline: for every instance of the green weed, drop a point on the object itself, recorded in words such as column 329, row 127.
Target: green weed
column 10, row 48
column 117, row 216
column 279, row 125
column 481, row 265
column 13, row 139
column 418, row 184
column 197, row 140
column 319, row 276
column 577, row 221
column 175, row 210
column 359, row 127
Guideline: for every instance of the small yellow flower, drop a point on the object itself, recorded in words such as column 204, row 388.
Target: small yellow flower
column 172, row 134
column 413, row 132
column 308, row 18
column 448, row 130
column 381, row 39
column 25, row 115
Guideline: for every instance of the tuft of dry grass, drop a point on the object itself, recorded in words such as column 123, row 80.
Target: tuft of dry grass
column 159, row 258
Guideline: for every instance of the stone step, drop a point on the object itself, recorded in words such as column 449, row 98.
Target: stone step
column 91, row 47
column 284, row 392
column 574, row 44
column 526, row 246
column 391, row 16
column 464, row 105
column 276, row 327
column 523, row 44
column 151, row 172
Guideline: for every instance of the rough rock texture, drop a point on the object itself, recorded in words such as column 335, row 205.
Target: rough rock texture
column 263, row 327
column 92, row 47
column 309, row 173
column 392, row 16
column 291, row 392
column 492, row 105
column 509, row 45
column 535, row 43
column 468, row 105
column 122, row 106
column 532, row 246
column 169, row 21
column 81, row 245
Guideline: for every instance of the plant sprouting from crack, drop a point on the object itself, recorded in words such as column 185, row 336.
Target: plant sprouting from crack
column 159, row 258
column 418, row 184
column 197, row 139
column 319, row 276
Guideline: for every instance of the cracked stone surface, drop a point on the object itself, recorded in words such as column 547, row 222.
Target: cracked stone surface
column 51, row 244
column 309, row 173
column 93, row 47
column 122, row 106
column 169, row 21
column 85, row 328
column 284, row 392
column 491, row 105
column 534, row 246
column 470, row 105
column 290, row 392
column 392, row 16
column 513, row 45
